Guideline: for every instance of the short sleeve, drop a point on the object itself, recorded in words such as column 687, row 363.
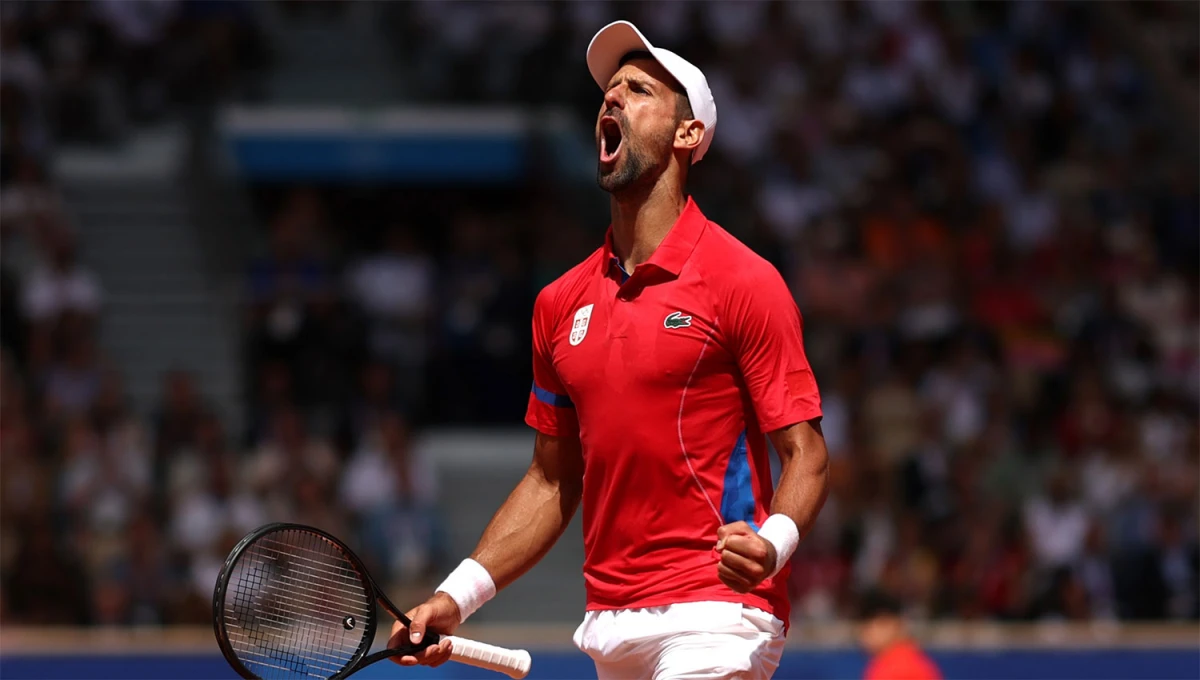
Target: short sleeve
column 550, row 409
column 763, row 329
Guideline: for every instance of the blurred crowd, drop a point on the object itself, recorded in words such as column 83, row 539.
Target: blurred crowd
column 984, row 221
column 92, row 71
column 107, row 516
column 980, row 207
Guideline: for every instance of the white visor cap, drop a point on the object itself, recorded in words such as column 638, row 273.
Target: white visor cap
column 619, row 38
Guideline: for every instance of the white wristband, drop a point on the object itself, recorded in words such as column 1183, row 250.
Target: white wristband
column 781, row 532
column 469, row 585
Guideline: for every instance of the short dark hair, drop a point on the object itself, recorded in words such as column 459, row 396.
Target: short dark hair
column 877, row 602
column 683, row 105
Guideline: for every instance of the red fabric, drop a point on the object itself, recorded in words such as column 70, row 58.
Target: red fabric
column 902, row 661
column 700, row 345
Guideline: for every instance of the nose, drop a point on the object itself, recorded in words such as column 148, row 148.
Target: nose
column 614, row 97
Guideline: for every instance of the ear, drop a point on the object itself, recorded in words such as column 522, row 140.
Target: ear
column 688, row 135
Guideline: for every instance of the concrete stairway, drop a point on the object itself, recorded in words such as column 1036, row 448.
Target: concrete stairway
column 161, row 311
column 342, row 61
column 477, row 469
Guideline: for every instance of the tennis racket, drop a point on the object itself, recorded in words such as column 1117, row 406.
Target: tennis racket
column 294, row 602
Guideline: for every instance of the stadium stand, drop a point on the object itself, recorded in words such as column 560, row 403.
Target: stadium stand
column 980, row 208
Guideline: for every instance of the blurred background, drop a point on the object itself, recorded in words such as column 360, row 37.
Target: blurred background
column 276, row 260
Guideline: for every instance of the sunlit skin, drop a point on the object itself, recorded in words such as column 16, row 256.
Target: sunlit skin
column 646, row 171
column 640, row 113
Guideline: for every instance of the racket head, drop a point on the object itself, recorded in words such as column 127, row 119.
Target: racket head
column 292, row 601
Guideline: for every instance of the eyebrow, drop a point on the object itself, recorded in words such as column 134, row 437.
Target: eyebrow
column 633, row 80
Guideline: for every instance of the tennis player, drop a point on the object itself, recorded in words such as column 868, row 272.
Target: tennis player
column 659, row 363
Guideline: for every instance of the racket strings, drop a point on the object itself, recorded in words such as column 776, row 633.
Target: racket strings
column 296, row 606
column 290, row 629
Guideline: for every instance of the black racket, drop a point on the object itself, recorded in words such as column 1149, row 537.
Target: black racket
column 294, row 602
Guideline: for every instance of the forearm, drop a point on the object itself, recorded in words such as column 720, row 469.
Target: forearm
column 804, row 479
column 801, row 493
column 526, row 526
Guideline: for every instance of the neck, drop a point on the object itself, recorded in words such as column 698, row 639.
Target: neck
column 641, row 218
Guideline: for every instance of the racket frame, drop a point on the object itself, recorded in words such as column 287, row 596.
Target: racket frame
column 360, row 659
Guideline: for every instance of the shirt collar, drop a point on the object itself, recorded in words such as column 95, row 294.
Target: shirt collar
column 675, row 249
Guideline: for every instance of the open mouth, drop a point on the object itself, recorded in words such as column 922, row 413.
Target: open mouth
column 610, row 139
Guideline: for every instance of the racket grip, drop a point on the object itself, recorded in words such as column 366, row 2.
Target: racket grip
column 512, row 662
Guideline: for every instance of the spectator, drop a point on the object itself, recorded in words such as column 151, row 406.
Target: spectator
column 959, row 389
column 285, row 283
column 25, row 480
column 884, row 635
column 112, row 599
column 30, row 211
column 891, row 413
column 1109, row 472
column 284, row 459
column 147, row 573
column 62, row 286
column 791, row 199
column 312, row 500
column 1057, row 524
column 484, row 293
column 24, row 91
column 395, row 290
column 103, row 482
column 1009, row 584
column 139, row 33
column 1177, row 563
column 212, row 503
column 376, row 399
column 176, row 421
column 198, row 466
column 79, row 56
column 72, row 386
column 393, row 493
column 275, row 389
column 1095, row 574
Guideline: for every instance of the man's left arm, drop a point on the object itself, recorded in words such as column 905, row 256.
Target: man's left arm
column 749, row 557
column 764, row 331
column 804, row 478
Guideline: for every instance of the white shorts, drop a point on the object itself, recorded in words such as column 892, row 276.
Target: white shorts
column 688, row 640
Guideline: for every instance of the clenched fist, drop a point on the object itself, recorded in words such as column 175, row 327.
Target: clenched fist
column 747, row 559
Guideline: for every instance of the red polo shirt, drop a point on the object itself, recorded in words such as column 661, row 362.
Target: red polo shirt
column 670, row 377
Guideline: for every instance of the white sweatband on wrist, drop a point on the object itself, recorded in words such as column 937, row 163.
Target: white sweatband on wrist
column 469, row 585
column 781, row 532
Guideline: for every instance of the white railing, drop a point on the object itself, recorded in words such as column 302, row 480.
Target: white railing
column 840, row 635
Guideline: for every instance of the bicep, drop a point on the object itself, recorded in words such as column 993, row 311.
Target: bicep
column 558, row 460
column 801, row 441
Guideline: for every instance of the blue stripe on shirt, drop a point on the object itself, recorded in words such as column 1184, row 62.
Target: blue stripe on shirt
column 551, row 399
column 737, row 500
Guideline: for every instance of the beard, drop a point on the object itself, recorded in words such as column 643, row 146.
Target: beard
column 639, row 162
column 630, row 169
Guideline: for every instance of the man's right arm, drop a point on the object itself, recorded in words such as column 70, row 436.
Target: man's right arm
column 536, row 513
column 521, row 532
